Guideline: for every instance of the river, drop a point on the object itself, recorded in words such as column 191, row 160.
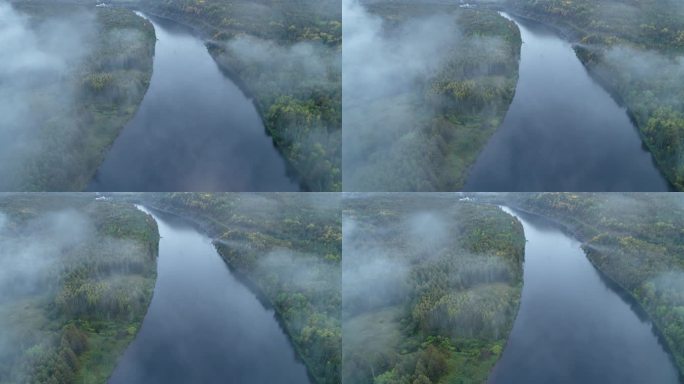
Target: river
column 195, row 129
column 563, row 132
column 203, row 325
column 572, row 326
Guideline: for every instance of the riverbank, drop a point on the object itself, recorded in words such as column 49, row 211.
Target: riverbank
column 287, row 249
column 632, row 239
column 634, row 52
column 82, row 274
column 288, row 58
column 71, row 111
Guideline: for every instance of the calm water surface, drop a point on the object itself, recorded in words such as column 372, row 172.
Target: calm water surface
column 203, row 325
column 195, row 130
column 572, row 327
column 563, row 132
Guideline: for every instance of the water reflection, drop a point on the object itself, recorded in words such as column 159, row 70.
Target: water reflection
column 203, row 325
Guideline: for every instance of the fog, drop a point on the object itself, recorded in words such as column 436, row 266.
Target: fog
column 36, row 87
column 33, row 253
column 384, row 76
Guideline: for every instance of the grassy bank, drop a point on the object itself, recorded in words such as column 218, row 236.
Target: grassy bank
column 636, row 51
column 286, row 248
column 287, row 56
column 77, row 278
column 636, row 240
column 425, row 88
column 75, row 79
column 431, row 288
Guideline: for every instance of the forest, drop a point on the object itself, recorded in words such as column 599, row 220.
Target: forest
column 431, row 286
column 425, row 87
column 72, row 78
column 636, row 240
column 76, row 278
column 635, row 49
column 287, row 56
column 285, row 247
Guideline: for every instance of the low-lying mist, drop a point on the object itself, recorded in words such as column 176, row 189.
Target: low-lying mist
column 412, row 78
column 419, row 268
column 37, row 56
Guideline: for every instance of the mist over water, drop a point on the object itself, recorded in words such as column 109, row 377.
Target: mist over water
column 572, row 327
column 563, row 132
column 195, row 130
column 203, row 325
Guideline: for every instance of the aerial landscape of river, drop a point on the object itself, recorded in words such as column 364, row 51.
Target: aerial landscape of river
column 204, row 325
column 563, row 132
column 195, row 129
column 573, row 326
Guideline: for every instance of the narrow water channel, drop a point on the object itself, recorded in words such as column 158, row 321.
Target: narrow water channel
column 563, row 132
column 572, row 326
column 203, row 325
column 195, row 129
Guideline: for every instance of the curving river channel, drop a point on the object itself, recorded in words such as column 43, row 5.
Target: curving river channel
column 572, row 327
column 195, row 130
column 563, row 132
column 203, row 325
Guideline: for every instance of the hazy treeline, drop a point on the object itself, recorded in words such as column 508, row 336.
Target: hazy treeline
column 287, row 248
column 425, row 86
column 635, row 239
column 71, row 78
column 287, row 55
column 76, row 277
column 636, row 50
column 431, row 286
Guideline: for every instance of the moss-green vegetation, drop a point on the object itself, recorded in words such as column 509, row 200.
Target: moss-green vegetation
column 432, row 116
column 287, row 247
column 636, row 50
column 77, row 278
column 287, row 54
column 97, row 65
column 637, row 240
column 431, row 288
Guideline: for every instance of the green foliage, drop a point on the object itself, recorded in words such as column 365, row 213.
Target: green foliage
column 92, row 292
column 455, row 299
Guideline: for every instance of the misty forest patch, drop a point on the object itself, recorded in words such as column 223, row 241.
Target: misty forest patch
column 76, row 277
column 72, row 78
column 425, row 86
column 431, row 286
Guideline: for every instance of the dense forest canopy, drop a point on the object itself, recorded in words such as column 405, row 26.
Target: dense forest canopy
column 71, row 78
column 286, row 247
column 425, row 86
column 637, row 240
column 76, row 277
column 431, row 286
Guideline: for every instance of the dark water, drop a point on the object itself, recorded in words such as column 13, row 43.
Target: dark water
column 571, row 326
column 563, row 132
column 195, row 130
column 203, row 325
